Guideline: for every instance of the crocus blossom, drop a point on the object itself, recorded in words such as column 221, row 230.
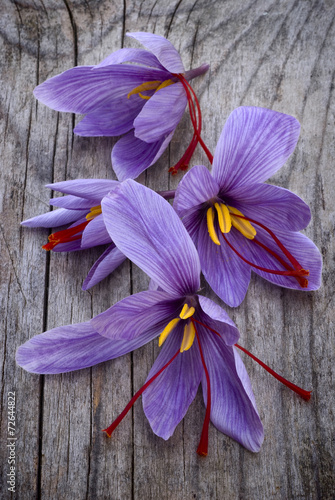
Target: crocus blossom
column 140, row 94
column 196, row 335
column 237, row 222
column 81, row 209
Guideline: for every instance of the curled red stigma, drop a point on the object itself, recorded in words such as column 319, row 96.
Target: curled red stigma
column 65, row 236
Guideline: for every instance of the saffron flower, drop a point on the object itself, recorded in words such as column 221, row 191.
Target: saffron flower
column 140, row 94
column 82, row 210
column 237, row 222
column 196, row 335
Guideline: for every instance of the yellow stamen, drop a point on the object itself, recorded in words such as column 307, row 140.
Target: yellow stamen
column 94, row 212
column 189, row 334
column 242, row 225
column 164, row 84
column 145, row 86
column 169, row 327
column 224, row 217
column 210, row 226
column 186, row 312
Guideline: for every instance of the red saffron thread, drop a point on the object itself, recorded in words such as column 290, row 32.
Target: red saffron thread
column 65, row 236
column 116, row 422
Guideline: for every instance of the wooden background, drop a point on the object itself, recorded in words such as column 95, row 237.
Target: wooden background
column 276, row 54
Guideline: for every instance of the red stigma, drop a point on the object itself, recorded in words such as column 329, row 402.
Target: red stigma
column 196, row 119
column 65, row 236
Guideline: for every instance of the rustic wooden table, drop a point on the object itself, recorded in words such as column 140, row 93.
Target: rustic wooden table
column 276, row 54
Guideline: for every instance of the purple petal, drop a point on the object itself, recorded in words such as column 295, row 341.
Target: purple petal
column 106, row 264
column 131, row 156
column 162, row 49
column 149, row 232
column 161, row 114
column 91, row 189
column 54, row 218
column 224, row 271
column 74, row 202
column 302, row 249
column 273, row 206
column 138, row 313
column 72, row 347
column 195, row 188
column 216, row 318
column 193, row 73
column 83, row 89
column 138, row 56
column 95, row 233
column 254, row 144
column 233, row 409
column 166, row 400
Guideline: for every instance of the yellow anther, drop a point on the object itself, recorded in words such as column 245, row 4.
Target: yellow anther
column 164, row 84
column 224, row 217
column 186, row 312
column 242, row 225
column 189, row 334
column 168, row 329
column 94, row 212
column 210, row 226
column 145, row 86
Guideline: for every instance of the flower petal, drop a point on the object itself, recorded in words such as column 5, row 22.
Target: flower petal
column 84, row 88
column 233, row 408
column 161, row 113
column 136, row 314
column 196, row 187
column 74, row 202
column 149, row 232
column 254, row 144
column 95, row 233
column 162, row 49
column 131, row 156
column 224, row 271
column 217, row 318
column 273, row 206
column 72, row 347
column 138, row 56
column 166, row 400
column 85, row 188
column 106, row 264
column 54, row 218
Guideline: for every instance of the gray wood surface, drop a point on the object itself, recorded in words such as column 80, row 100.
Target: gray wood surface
column 276, row 54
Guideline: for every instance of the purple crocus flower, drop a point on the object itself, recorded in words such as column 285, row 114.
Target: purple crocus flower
column 82, row 210
column 133, row 92
column 196, row 335
column 237, row 222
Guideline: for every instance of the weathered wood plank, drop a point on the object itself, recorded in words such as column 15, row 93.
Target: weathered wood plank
column 262, row 53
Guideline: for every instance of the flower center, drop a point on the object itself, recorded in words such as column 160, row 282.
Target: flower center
column 154, row 85
column 73, row 233
column 189, row 330
column 230, row 216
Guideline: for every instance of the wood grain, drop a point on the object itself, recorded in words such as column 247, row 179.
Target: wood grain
column 262, row 53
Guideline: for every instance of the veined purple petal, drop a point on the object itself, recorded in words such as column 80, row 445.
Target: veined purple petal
column 71, row 246
column 254, row 144
column 149, row 232
column 72, row 347
column 196, row 187
column 138, row 313
column 74, row 202
column 131, row 156
column 106, row 264
column 301, row 247
column 224, row 271
column 161, row 114
column 273, row 206
column 54, row 218
column 162, row 49
column 166, row 400
column 216, row 318
column 84, row 88
column 233, row 409
column 138, row 56
column 85, row 188
column 95, row 233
